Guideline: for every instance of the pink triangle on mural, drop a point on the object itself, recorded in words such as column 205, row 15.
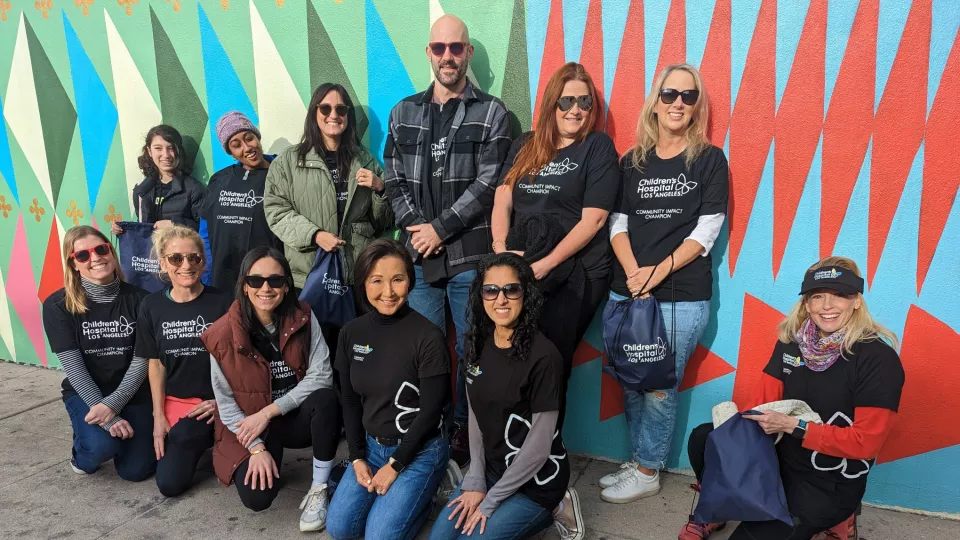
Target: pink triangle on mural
column 23, row 297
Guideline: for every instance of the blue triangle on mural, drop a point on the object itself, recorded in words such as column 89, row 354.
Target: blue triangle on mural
column 6, row 162
column 225, row 92
column 96, row 113
column 388, row 81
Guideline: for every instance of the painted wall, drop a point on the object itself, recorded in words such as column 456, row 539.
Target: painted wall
column 837, row 118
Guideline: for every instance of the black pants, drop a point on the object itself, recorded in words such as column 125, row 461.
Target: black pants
column 765, row 530
column 315, row 423
column 185, row 444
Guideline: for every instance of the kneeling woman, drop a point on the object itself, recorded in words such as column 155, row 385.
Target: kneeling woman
column 273, row 382
column 832, row 355
column 394, row 375
column 519, row 468
column 168, row 334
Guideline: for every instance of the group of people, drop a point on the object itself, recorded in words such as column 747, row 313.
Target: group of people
column 522, row 240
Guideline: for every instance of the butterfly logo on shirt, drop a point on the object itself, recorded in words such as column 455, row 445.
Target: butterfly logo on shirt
column 404, row 410
column 553, row 459
column 126, row 326
column 850, row 469
column 201, row 325
column 683, row 185
column 252, row 199
column 556, row 169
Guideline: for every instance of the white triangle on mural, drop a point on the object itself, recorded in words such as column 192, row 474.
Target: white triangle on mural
column 61, row 232
column 136, row 110
column 22, row 111
column 6, row 330
column 281, row 110
column 436, row 11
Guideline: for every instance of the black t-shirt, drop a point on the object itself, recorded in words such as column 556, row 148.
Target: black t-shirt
column 170, row 331
column 282, row 378
column 871, row 377
column 233, row 208
column 504, row 395
column 662, row 204
column 339, row 184
column 583, row 175
column 160, row 193
column 105, row 335
column 387, row 357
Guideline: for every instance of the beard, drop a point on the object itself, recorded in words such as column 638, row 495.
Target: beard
column 450, row 80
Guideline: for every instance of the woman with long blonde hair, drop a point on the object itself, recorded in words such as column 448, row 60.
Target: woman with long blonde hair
column 831, row 354
column 671, row 209
column 91, row 326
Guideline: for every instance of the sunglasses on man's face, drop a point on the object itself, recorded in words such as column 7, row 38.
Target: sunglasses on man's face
column 565, row 103
column 669, row 95
column 513, row 291
column 83, row 255
column 176, row 259
column 326, row 108
column 456, row 48
column 275, row 281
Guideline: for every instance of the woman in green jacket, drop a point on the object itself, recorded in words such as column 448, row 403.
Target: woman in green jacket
column 326, row 192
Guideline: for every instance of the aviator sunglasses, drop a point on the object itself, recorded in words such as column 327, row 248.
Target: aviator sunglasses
column 513, row 291
column 83, row 255
column 275, row 282
column 325, row 109
column 565, row 103
column 176, row 259
column 669, row 95
column 456, row 48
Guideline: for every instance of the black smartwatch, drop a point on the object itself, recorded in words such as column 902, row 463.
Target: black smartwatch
column 396, row 465
column 801, row 430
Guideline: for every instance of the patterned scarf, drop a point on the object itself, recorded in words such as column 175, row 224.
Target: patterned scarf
column 819, row 353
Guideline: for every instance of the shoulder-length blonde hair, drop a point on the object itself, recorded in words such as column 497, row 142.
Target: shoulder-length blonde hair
column 75, row 294
column 648, row 129
column 162, row 237
column 860, row 327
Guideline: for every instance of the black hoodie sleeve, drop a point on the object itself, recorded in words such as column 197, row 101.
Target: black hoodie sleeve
column 352, row 406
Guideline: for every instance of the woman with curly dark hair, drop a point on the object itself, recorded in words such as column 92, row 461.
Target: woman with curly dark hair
column 519, row 470
column 168, row 194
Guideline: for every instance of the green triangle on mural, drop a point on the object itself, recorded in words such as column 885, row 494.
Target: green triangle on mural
column 203, row 164
column 179, row 103
column 516, row 82
column 73, row 206
column 21, row 341
column 287, row 29
column 58, row 118
column 9, row 210
column 182, row 26
column 325, row 65
column 113, row 200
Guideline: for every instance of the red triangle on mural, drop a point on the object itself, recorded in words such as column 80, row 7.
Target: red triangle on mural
column 926, row 420
column 51, row 279
column 758, row 336
column 703, row 366
column 553, row 56
column 585, row 353
column 611, row 396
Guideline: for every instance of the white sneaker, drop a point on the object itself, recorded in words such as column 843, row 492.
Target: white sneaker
column 615, row 477
column 451, row 479
column 314, row 506
column 569, row 520
column 76, row 469
column 632, row 486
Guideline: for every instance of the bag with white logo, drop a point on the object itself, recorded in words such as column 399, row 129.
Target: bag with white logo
column 139, row 267
column 639, row 356
column 327, row 291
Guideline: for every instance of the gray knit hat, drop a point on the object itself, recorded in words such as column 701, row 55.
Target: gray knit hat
column 232, row 123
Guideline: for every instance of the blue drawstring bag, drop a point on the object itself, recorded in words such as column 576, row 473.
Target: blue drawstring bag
column 741, row 476
column 639, row 356
column 139, row 267
column 327, row 291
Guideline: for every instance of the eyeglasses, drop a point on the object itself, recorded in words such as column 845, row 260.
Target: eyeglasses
column 513, row 291
column 275, row 282
column 176, row 259
column 325, row 109
column 83, row 255
column 669, row 95
column 456, row 48
column 565, row 103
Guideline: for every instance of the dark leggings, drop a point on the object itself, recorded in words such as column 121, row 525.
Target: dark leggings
column 184, row 445
column 315, row 423
column 754, row 530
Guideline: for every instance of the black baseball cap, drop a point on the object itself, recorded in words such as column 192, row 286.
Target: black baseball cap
column 839, row 279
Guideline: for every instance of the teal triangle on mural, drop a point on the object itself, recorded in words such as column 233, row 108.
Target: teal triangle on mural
column 6, row 162
column 96, row 113
column 387, row 78
column 179, row 103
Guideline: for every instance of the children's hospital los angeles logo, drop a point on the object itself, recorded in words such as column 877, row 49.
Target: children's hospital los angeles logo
column 655, row 188
column 645, row 352
column 334, row 286
column 238, row 199
column 189, row 328
column 119, row 328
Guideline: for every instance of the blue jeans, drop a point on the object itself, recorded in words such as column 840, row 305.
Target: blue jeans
column 428, row 300
column 517, row 517
column 652, row 416
column 133, row 458
column 355, row 513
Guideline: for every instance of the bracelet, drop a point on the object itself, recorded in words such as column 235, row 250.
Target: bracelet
column 354, row 462
column 495, row 242
column 260, row 451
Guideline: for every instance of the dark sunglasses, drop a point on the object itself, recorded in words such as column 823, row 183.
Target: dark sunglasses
column 669, row 95
column 83, row 255
column 565, row 103
column 176, row 259
column 325, row 109
column 513, row 291
column 456, row 48
column 275, row 282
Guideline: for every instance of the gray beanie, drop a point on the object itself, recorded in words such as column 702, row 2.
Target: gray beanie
column 232, row 123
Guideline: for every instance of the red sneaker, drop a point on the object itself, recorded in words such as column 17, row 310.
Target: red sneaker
column 699, row 531
column 846, row 530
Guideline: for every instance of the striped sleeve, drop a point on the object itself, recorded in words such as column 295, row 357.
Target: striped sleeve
column 131, row 382
column 81, row 381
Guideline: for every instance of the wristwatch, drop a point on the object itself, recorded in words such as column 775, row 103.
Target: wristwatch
column 801, row 430
column 396, row 465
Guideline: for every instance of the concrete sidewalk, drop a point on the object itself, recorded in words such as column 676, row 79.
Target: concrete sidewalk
column 41, row 497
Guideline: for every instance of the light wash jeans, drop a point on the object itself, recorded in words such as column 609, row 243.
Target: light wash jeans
column 516, row 518
column 652, row 416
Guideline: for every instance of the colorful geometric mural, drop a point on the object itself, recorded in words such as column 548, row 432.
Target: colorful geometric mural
column 839, row 120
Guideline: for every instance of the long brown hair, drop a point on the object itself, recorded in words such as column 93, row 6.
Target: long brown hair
column 76, row 296
column 541, row 148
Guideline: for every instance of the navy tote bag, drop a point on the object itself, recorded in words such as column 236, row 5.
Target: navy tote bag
column 639, row 356
column 327, row 291
column 139, row 267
